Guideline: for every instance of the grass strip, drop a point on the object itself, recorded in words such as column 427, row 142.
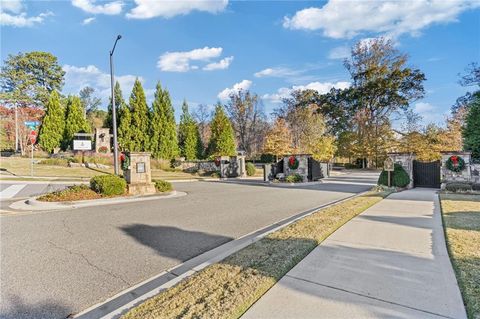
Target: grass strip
column 228, row 288
column 461, row 220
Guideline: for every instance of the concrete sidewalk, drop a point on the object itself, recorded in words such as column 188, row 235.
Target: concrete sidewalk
column 391, row 261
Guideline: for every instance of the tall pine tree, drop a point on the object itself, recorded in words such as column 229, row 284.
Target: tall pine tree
column 124, row 120
column 471, row 131
column 75, row 121
column 53, row 124
column 188, row 135
column 222, row 140
column 117, row 91
column 140, row 122
column 163, row 130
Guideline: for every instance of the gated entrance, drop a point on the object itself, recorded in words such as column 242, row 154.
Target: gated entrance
column 426, row 174
column 314, row 170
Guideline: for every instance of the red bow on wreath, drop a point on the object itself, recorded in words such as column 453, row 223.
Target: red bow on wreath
column 454, row 160
column 291, row 160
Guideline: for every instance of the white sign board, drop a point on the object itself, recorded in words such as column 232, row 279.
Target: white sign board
column 82, row 145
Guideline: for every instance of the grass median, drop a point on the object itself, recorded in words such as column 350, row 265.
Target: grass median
column 228, row 288
column 461, row 219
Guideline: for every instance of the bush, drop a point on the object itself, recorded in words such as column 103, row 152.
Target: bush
column 267, row 158
column 108, row 185
column 400, row 177
column 294, row 178
column 458, row 187
column 350, row 166
column 476, row 187
column 251, row 170
column 163, row 186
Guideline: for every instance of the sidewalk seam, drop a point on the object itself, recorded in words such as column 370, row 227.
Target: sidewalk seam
column 366, row 296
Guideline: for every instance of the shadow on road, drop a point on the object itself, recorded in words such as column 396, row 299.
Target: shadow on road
column 174, row 242
column 17, row 309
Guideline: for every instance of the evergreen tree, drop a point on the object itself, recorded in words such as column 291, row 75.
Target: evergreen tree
column 117, row 91
column 163, row 131
column 124, row 126
column 75, row 120
column 140, row 122
column 188, row 135
column 222, row 140
column 471, row 131
column 53, row 124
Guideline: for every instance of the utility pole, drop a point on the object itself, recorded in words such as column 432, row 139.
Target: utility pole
column 114, row 111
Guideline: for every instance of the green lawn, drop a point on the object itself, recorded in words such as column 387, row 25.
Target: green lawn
column 461, row 217
column 228, row 288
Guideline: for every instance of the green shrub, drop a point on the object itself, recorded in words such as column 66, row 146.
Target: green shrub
column 458, row 187
column 251, row 170
column 267, row 158
column 54, row 161
column 476, row 187
column 400, row 177
column 350, row 166
column 294, row 178
column 108, row 185
column 163, row 186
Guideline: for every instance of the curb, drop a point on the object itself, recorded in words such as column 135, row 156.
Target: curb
column 32, row 204
column 120, row 303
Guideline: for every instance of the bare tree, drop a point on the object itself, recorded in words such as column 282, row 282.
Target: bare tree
column 202, row 115
column 245, row 111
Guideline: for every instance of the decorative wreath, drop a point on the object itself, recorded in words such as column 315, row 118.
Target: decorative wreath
column 455, row 163
column 217, row 161
column 124, row 161
column 293, row 162
column 102, row 149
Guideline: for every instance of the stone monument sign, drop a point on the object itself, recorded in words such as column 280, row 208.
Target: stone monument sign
column 138, row 174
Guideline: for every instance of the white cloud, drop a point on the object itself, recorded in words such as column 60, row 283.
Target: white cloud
column 13, row 6
column 339, row 53
column 320, row 87
column 277, row 72
column 220, row 65
column 88, row 21
column 76, row 78
column 346, row 19
column 423, row 107
column 180, row 61
column 90, row 6
column 12, row 13
column 241, row 86
column 147, row 9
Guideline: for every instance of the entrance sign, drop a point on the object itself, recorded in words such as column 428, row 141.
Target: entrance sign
column 82, row 145
column 388, row 165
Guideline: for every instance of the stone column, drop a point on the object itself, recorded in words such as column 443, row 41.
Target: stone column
column 139, row 174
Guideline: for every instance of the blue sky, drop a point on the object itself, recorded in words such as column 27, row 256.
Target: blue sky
column 201, row 50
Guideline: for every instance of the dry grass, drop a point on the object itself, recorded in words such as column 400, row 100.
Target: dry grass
column 461, row 216
column 228, row 288
column 21, row 167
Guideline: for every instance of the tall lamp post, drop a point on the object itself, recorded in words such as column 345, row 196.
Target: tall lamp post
column 114, row 111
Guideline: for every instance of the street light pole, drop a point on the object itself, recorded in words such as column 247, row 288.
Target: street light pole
column 114, row 111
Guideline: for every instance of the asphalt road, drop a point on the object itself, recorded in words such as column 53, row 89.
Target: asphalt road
column 58, row 263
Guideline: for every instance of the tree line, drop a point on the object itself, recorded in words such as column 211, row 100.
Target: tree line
column 358, row 124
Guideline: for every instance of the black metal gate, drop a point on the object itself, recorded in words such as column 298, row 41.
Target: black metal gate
column 426, row 174
column 314, row 170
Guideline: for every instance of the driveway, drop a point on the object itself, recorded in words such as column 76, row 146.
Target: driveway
column 58, row 263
